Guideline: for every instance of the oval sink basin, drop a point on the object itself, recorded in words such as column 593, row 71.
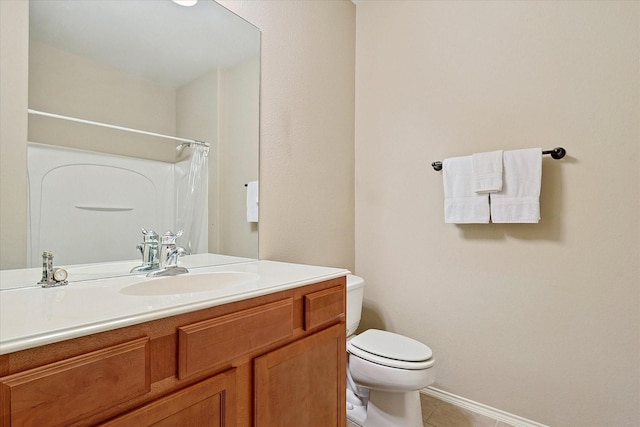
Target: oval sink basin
column 190, row 283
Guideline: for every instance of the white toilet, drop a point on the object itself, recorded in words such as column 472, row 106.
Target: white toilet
column 385, row 371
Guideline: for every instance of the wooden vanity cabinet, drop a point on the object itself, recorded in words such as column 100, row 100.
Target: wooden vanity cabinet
column 274, row 360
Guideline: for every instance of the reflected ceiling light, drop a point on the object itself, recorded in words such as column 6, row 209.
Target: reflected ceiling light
column 186, row 2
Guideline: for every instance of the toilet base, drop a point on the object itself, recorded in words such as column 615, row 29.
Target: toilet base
column 393, row 409
column 357, row 414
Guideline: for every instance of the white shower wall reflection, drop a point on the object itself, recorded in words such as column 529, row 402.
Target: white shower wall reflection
column 90, row 207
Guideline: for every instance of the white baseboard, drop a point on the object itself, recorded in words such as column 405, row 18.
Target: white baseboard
column 480, row 408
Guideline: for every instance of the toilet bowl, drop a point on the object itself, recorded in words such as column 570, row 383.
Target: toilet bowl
column 385, row 371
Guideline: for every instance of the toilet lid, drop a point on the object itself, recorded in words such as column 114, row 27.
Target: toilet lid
column 388, row 345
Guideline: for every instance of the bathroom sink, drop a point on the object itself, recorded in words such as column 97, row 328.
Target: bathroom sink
column 190, row 283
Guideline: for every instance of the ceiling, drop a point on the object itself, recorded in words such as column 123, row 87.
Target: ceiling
column 173, row 44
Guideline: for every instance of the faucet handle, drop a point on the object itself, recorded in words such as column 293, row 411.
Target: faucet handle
column 169, row 238
column 149, row 235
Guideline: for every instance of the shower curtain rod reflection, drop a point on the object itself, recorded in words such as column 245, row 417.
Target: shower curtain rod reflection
column 185, row 141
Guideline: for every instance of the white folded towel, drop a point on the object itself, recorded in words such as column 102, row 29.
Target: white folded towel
column 487, row 172
column 519, row 200
column 252, row 201
column 461, row 204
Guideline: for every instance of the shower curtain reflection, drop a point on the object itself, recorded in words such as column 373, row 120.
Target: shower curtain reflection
column 191, row 209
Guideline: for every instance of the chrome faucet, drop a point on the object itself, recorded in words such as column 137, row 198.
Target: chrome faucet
column 169, row 253
column 51, row 276
column 149, row 250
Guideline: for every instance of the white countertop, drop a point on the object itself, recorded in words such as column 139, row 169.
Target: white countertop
column 29, row 277
column 34, row 316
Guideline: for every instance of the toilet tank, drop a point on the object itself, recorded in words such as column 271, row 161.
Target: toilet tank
column 355, row 294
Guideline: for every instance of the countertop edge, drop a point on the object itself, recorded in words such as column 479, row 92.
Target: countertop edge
column 37, row 340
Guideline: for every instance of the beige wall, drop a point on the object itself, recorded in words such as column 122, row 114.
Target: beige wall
column 14, row 36
column 197, row 108
column 306, row 129
column 238, row 156
column 72, row 85
column 539, row 320
column 223, row 107
column 64, row 83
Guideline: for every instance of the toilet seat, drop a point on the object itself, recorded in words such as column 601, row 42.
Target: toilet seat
column 392, row 350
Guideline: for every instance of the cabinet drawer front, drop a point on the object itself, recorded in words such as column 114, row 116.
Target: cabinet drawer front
column 210, row 343
column 207, row 403
column 323, row 307
column 65, row 391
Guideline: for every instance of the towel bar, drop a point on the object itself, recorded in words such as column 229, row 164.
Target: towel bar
column 556, row 153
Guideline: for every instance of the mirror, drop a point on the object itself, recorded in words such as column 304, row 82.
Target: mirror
column 118, row 90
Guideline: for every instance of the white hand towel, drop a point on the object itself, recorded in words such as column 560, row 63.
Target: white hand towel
column 487, row 172
column 461, row 204
column 519, row 200
column 252, row 201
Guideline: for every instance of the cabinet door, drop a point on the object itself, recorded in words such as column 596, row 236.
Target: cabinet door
column 209, row 403
column 66, row 391
column 303, row 383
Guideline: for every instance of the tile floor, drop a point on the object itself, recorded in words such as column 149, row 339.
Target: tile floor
column 436, row 413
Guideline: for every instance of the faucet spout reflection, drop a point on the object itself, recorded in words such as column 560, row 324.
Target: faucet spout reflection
column 149, row 250
column 169, row 254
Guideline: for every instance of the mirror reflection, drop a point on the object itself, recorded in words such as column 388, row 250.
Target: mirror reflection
column 142, row 115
